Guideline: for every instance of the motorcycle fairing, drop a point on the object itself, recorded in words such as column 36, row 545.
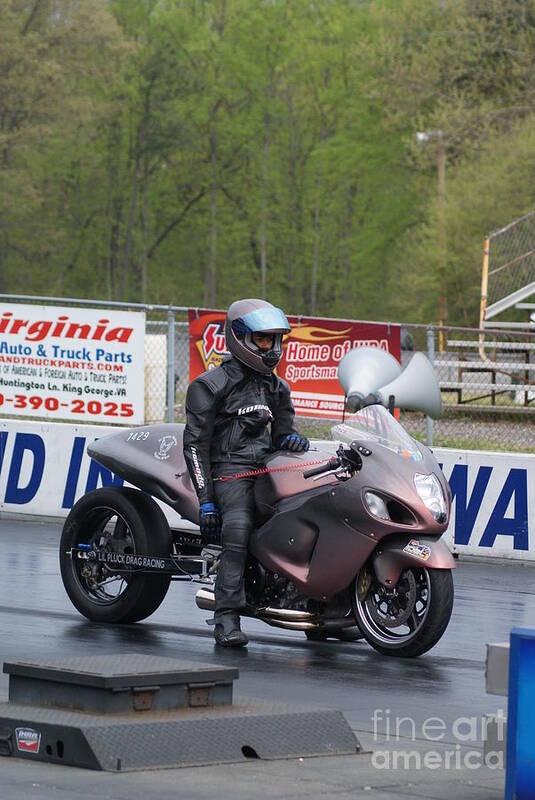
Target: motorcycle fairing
column 392, row 477
column 290, row 543
column 397, row 554
column 320, row 537
column 151, row 457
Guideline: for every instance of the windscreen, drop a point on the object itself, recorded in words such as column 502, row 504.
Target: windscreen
column 375, row 424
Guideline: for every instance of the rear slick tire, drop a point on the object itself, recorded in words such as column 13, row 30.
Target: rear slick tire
column 432, row 593
column 121, row 520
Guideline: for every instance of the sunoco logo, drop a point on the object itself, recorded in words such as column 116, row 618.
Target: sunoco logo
column 211, row 346
column 213, row 341
column 28, row 740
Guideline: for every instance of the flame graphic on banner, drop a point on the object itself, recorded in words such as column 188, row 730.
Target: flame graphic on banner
column 311, row 333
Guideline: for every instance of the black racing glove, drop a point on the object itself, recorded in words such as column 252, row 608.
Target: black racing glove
column 295, row 443
column 210, row 524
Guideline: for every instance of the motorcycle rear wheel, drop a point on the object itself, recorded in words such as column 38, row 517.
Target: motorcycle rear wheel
column 408, row 620
column 120, row 520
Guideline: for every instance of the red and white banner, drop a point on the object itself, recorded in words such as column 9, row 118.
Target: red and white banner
column 312, row 352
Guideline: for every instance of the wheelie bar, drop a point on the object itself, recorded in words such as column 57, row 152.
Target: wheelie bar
column 180, row 567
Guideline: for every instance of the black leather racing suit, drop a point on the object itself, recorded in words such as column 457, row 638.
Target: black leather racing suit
column 228, row 410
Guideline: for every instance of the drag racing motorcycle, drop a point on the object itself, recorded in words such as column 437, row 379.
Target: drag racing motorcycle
column 347, row 535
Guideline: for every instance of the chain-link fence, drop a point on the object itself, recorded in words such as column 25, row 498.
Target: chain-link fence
column 508, row 267
column 487, row 383
column 166, row 365
column 486, row 377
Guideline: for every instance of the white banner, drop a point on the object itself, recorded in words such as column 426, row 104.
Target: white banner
column 493, row 503
column 72, row 363
column 44, row 469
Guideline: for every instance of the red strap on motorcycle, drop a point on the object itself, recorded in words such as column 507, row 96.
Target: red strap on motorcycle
column 265, row 470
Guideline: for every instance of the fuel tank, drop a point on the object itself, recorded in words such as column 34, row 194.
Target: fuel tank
column 287, row 479
column 151, row 458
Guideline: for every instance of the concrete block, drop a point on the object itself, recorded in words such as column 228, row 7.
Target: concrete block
column 497, row 669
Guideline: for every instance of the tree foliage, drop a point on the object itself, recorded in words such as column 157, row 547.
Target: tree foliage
column 194, row 151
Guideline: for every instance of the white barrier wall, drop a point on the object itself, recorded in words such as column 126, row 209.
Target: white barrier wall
column 493, row 503
column 44, row 469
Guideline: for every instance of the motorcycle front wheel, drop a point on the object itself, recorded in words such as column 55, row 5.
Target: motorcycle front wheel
column 114, row 520
column 408, row 619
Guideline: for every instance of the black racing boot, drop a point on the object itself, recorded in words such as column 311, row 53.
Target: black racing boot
column 228, row 632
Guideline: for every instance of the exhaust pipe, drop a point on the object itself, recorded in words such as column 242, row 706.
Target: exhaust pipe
column 205, row 600
column 288, row 618
column 287, row 614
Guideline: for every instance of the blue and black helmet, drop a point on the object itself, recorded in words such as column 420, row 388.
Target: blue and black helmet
column 246, row 317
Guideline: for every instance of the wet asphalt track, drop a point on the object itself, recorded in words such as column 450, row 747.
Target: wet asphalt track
column 37, row 620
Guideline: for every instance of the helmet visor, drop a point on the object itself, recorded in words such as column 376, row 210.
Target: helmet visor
column 264, row 320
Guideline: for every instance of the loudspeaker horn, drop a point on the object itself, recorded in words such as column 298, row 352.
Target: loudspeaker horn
column 416, row 388
column 364, row 370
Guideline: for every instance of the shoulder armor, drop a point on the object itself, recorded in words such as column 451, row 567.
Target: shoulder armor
column 282, row 385
column 214, row 379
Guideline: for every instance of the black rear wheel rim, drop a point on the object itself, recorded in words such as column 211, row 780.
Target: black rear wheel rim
column 105, row 529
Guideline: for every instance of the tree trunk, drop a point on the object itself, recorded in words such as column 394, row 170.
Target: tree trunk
column 145, row 226
column 130, row 226
column 292, row 159
column 263, row 254
column 317, row 207
column 210, row 285
column 138, row 154
column 315, row 256
column 348, row 295
column 115, row 219
column 115, row 212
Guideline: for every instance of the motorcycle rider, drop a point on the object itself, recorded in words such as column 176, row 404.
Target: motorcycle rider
column 228, row 410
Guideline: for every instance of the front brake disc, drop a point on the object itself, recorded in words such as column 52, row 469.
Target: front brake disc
column 394, row 615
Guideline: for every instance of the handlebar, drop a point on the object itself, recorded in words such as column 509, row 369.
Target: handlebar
column 331, row 464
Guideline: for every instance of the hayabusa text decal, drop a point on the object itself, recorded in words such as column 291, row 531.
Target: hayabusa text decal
column 199, row 477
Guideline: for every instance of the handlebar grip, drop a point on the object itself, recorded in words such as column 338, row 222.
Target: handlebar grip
column 331, row 464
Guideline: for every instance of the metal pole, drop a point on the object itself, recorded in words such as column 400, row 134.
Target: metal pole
column 443, row 302
column 77, row 301
column 431, row 357
column 484, row 290
column 171, row 366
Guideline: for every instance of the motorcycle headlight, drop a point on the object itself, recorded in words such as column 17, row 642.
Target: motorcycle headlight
column 376, row 505
column 430, row 491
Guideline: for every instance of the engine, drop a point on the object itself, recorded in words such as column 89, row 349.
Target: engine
column 265, row 588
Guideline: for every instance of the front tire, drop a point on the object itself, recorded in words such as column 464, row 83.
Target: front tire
column 409, row 619
column 120, row 520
